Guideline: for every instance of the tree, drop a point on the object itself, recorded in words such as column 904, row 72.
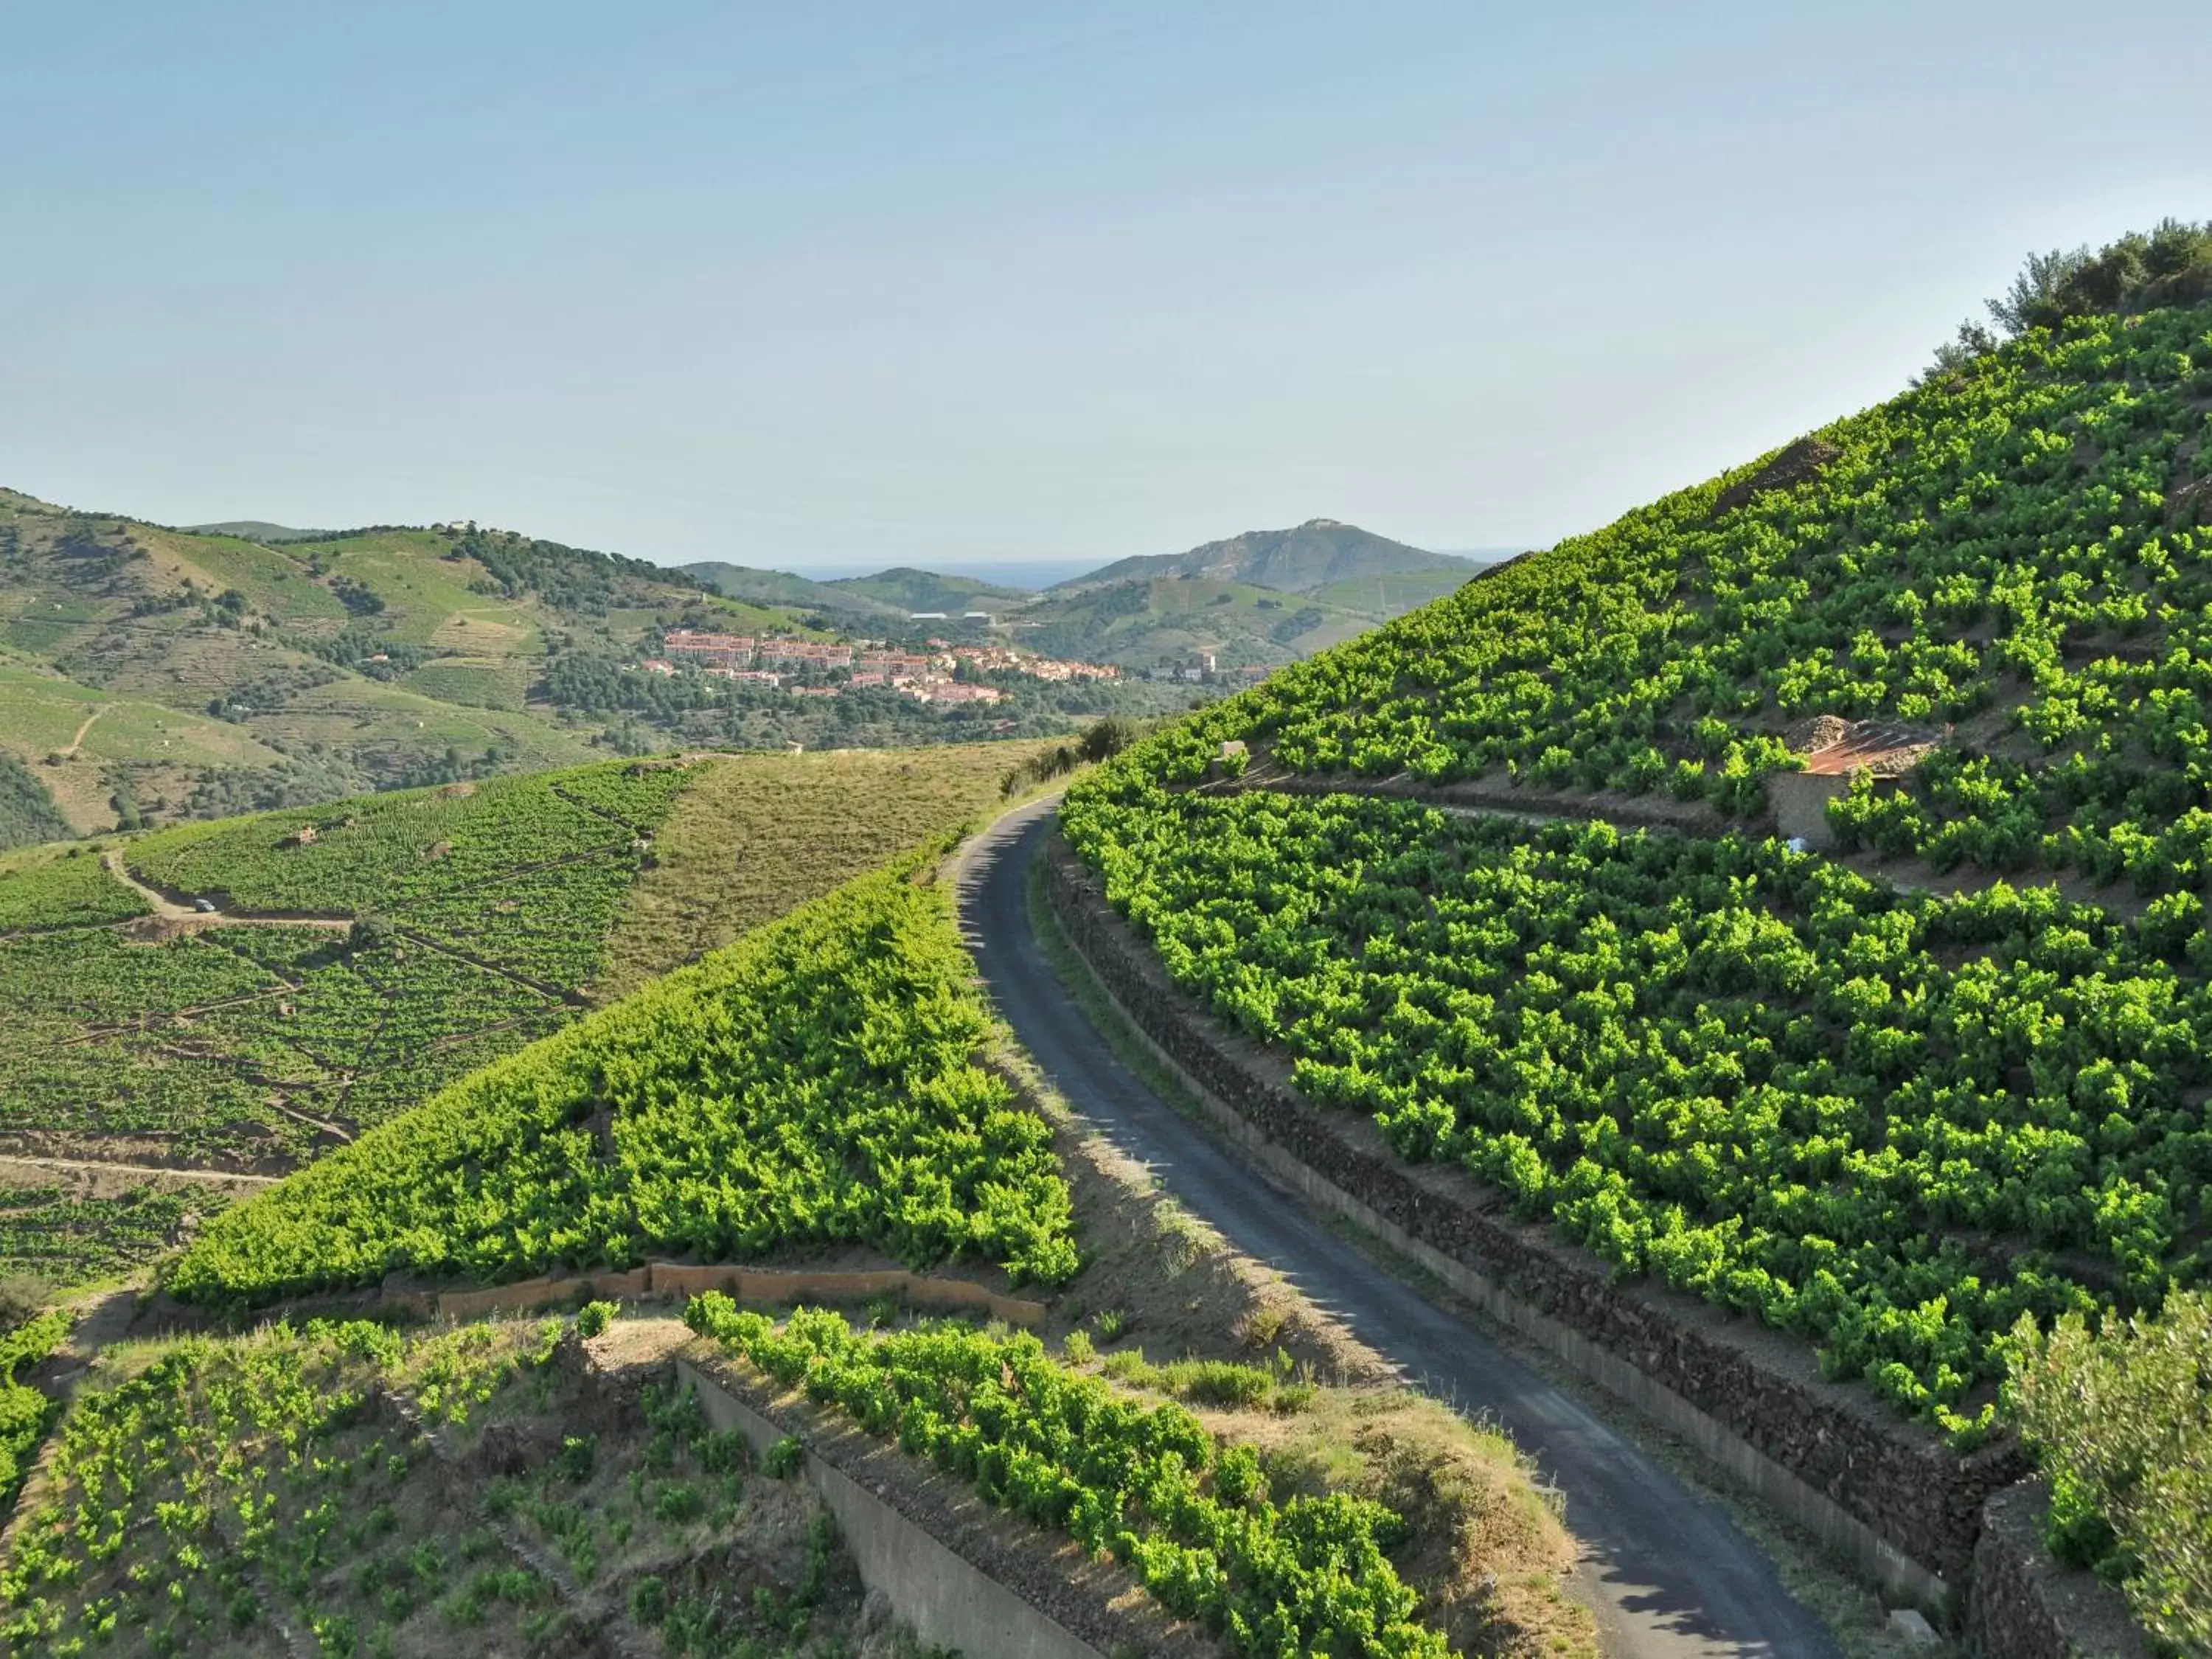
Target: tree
column 1108, row 737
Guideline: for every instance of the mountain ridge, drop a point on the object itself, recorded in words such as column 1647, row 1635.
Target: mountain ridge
column 1296, row 560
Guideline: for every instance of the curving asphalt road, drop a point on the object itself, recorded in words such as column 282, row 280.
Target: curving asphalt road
column 1667, row 1573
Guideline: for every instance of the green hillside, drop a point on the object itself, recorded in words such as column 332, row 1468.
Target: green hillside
column 1150, row 621
column 780, row 587
column 813, row 1083
column 910, row 590
column 150, row 673
column 1256, row 601
column 260, row 530
column 1299, row 560
column 1893, row 1111
column 430, row 931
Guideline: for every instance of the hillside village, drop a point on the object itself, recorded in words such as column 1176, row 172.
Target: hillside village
column 944, row 674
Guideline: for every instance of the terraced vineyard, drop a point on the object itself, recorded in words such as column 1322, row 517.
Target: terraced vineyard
column 814, row 1084
column 1888, row 1122
column 342, row 1489
column 1192, row 1516
column 360, row 956
column 2015, row 557
column 1899, row 1121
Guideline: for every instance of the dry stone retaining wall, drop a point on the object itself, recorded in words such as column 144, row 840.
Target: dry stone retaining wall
column 2026, row 1606
column 672, row 1279
column 1891, row 1495
column 949, row 1600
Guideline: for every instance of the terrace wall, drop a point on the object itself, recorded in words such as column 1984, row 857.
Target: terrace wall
column 949, row 1600
column 2026, row 1606
column 1889, row 1495
column 681, row 1280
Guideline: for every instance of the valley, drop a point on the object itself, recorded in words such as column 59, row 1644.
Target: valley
column 1644, row 1101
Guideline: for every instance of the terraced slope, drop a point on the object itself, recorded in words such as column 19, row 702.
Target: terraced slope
column 1890, row 1114
column 2015, row 559
column 349, row 1489
column 359, row 956
column 814, row 1084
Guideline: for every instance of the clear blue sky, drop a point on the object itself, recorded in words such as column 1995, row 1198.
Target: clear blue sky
column 855, row 283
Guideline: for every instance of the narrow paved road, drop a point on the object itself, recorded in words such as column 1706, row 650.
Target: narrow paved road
column 1668, row 1575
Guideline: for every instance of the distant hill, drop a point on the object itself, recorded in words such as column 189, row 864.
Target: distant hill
column 1311, row 556
column 153, row 672
column 912, row 590
column 1258, row 599
column 260, row 530
column 780, row 587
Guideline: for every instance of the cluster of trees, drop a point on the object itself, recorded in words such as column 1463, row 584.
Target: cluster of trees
column 27, row 812
column 1194, row 1518
column 358, row 644
column 1890, row 1123
column 815, row 1083
column 2169, row 265
column 1100, row 741
column 259, row 694
column 568, row 578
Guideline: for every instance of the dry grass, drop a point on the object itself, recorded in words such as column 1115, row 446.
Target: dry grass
column 757, row 834
column 1486, row 1548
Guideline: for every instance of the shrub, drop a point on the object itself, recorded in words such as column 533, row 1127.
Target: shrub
column 648, row 1600
column 785, row 1458
column 2122, row 1418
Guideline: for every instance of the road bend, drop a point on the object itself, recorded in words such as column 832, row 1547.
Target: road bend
column 1666, row 1571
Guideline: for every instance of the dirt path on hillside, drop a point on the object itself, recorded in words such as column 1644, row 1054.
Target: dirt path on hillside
column 15, row 1167
column 77, row 742
column 169, row 909
column 1908, row 876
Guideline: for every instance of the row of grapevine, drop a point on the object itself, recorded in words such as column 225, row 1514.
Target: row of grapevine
column 816, row 1084
column 1890, row 1123
column 62, row 887
column 1195, row 1519
column 225, row 1476
column 24, row 1411
column 384, row 852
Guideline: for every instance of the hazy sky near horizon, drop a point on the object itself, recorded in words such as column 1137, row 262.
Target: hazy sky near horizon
column 878, row 282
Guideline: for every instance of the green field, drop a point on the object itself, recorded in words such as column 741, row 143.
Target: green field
column 755, row 835
column 245, row 1045
column 495, row 912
